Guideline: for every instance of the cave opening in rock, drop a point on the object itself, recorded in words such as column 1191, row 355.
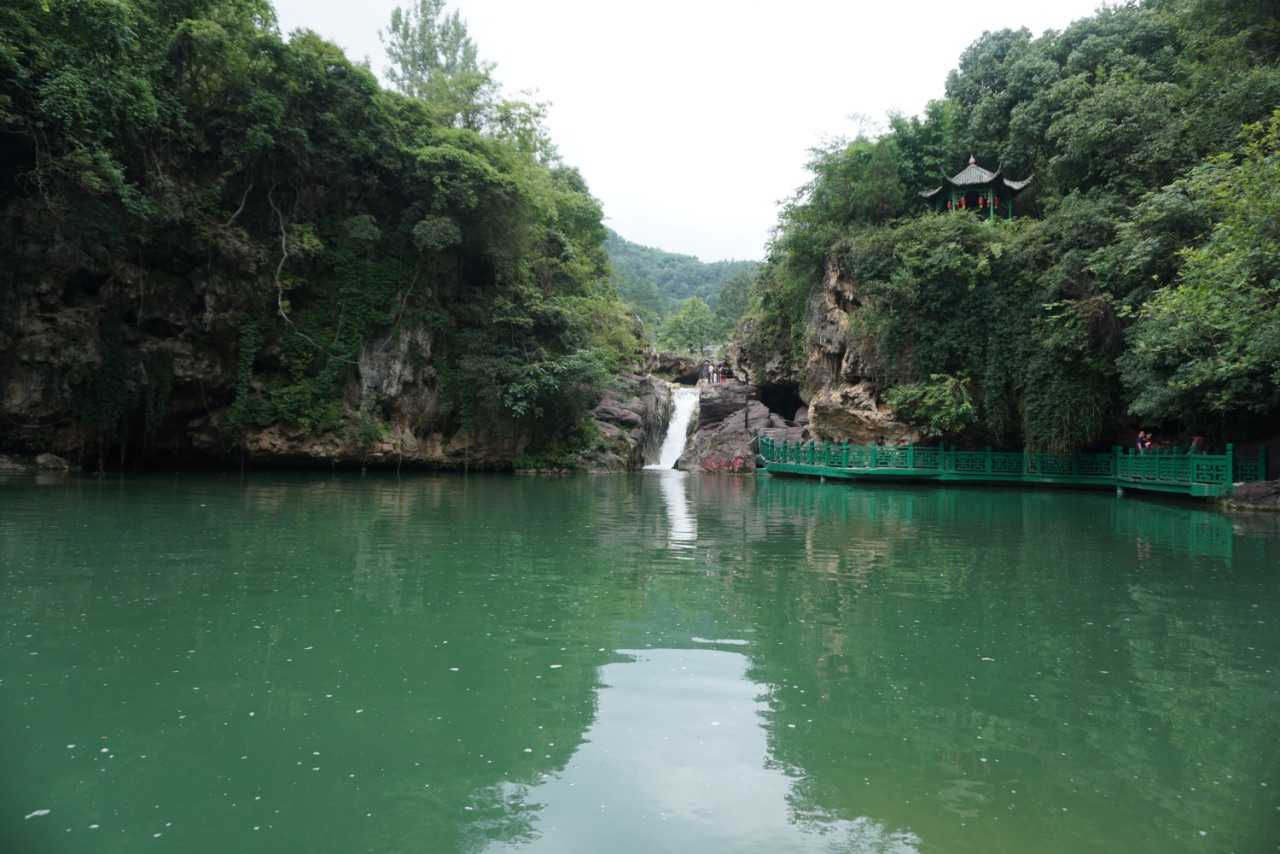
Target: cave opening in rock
column 782, row 399
column 689, row 377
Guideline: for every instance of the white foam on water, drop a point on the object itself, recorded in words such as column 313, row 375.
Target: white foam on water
column 673, row 444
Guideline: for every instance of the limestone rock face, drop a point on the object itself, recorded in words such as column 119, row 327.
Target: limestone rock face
column 729, row 417
column 8, row 466
column 677, row 367
column 388, row 367
column 835, row 356
column 100, row 350
column 177, row 358
column 764, row 367
column 851, row 413
column 1262, row 495
column 837, row 382
column 718, row 401
column 632, row 429
column 52, row 462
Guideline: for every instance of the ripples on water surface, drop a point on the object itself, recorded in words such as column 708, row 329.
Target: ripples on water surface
column 634, row 664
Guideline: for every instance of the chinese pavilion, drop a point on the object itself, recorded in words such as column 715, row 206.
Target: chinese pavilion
column 977, row 190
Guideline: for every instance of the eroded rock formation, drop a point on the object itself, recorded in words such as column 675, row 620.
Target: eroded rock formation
column 88, row 339
column 1262, row 495
column 837, row 382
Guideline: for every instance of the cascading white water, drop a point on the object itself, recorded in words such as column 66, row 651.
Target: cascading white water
column 673, row 443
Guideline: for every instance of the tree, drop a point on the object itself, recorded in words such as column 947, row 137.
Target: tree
column 692, row 328
column 434, row 59
column 1208, row 348
column 733, row 302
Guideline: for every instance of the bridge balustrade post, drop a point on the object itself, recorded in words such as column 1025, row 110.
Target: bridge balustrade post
column 844, row 454
column 1263, row 471
column 1231, row 464
column 911, row 456
column 988, row 460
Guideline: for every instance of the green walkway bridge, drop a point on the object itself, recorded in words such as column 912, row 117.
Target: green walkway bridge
column 1200, row 475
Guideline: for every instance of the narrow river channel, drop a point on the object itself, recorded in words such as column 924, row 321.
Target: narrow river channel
column 657, row 662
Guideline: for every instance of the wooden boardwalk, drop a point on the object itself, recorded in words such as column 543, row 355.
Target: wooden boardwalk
column 1197, row 475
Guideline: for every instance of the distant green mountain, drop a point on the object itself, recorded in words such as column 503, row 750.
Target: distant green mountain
column 659, row 281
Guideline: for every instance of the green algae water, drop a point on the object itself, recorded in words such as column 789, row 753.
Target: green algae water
column 658, row 662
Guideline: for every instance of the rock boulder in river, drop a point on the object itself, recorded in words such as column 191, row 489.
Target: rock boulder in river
column 729, row 416
column 631, row 427
column 1263, row 495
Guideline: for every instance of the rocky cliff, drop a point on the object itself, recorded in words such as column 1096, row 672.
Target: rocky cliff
column 833, row 385
column 243, row 248
column 157, row 355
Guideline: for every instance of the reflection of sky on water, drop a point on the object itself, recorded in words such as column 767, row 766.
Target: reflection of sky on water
column 677, row 760
column 683, row 527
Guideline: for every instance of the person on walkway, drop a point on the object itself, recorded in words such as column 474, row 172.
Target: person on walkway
column 1197, row 445
column 1144, row 442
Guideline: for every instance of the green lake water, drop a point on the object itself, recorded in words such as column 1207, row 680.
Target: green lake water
column 651, row 663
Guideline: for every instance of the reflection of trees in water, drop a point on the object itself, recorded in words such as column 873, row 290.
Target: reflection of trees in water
column 957, row 647
column 926, row 653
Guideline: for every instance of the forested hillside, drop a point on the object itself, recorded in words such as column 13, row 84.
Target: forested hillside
column 659, row 281
column 1138, row 286
column 209, row 231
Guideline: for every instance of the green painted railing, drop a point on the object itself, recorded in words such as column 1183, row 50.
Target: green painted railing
column 1169, row 471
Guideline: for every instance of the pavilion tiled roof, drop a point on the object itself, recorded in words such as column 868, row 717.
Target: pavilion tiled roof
column 974, row 175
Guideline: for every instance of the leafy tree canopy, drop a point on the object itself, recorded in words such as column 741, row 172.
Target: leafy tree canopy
column 1139, row 280
column 321, row 220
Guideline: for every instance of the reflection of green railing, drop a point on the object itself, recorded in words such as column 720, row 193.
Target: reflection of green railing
column 880, row 516
column 1174, row 529
column 1169, row 471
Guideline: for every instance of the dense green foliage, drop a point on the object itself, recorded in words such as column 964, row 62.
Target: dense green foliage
column 659, row 282
column 693, row 328
column 1139, row 284
column 314, row 219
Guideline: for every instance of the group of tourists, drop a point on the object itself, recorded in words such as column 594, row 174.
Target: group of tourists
column 1147, row 443
column 714, row 373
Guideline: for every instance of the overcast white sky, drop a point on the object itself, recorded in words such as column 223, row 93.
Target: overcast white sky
column 692, row 119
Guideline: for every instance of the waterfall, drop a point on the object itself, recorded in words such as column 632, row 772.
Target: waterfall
column 677, row 428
